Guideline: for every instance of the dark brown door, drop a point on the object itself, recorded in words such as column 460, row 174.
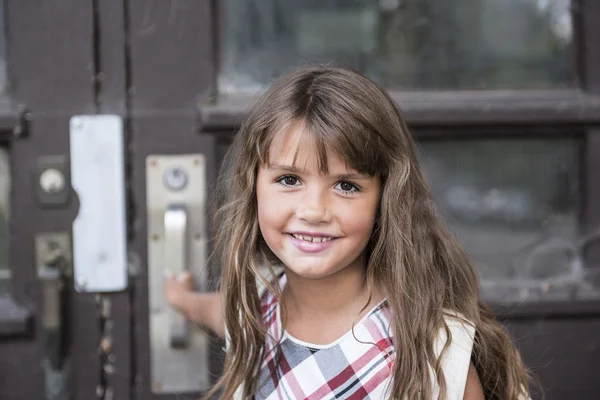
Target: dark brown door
column 50, row 334
column 504, row 98
column 144, row 65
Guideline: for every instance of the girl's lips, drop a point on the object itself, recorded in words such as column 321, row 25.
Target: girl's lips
column 311, row 247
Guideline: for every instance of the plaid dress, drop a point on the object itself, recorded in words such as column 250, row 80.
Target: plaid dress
column 353, row 367
column 356, row 366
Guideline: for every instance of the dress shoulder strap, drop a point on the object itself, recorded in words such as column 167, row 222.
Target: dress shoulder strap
column 457, row 358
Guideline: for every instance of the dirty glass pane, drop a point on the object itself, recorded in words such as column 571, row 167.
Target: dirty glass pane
column 514, row 205
column 2, row 50
column 423, row 44
column 4, row 210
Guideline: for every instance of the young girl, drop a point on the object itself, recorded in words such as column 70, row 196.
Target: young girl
column 338, row 279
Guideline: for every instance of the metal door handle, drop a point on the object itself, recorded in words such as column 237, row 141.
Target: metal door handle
column 55, row 272
column 53, row 314
column 176, row 259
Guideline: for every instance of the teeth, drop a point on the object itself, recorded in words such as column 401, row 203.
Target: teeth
column 311, row 238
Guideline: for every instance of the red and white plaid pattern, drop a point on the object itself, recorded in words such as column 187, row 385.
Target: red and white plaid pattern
column 356, row 366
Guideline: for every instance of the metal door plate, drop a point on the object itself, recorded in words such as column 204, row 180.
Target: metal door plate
column 98, row 178
column 176, row 183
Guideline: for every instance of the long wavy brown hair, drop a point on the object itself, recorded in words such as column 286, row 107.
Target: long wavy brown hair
column 419, row 266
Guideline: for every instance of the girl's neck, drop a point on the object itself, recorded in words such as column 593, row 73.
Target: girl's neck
column 322, row 310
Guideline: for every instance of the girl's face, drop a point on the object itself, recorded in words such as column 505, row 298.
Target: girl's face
column 316, row 224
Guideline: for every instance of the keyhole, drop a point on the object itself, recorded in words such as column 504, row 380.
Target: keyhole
column 52, row 181
column 175, row 178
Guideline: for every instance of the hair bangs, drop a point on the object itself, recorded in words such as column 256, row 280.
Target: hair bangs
column 351, row 140
column 358, row 146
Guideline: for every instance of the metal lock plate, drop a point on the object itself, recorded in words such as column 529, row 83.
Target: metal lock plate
column 176, row 204
column 98, row 178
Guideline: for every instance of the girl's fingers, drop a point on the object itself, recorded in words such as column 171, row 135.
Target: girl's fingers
column 184, row 276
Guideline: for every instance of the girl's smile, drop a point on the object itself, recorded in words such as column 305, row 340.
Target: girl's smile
column 311, row 242
column 317, row 223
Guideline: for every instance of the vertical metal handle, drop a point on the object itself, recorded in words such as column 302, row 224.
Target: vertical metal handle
column 176, row 255
column 55, row 271
column 53, row 314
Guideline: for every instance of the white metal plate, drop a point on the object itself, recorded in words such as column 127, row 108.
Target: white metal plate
column 98, row 178
column 176, row 370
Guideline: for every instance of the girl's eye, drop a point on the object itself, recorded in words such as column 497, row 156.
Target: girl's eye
column 347, row 187
column 288, row 180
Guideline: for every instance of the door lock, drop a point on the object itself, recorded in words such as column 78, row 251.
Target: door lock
column 51, row 181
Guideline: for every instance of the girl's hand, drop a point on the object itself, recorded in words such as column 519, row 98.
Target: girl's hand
column 176, row 289
column 201, row 308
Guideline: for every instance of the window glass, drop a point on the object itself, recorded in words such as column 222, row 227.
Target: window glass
column 4, row 211
column 432, row 44
column 514, row 205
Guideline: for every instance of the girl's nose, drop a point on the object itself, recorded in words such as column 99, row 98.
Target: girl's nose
column 313, row 215
column 313, row 210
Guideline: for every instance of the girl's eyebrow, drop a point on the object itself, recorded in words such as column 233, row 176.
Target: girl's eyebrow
column 279, row 167
column 291, row 169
